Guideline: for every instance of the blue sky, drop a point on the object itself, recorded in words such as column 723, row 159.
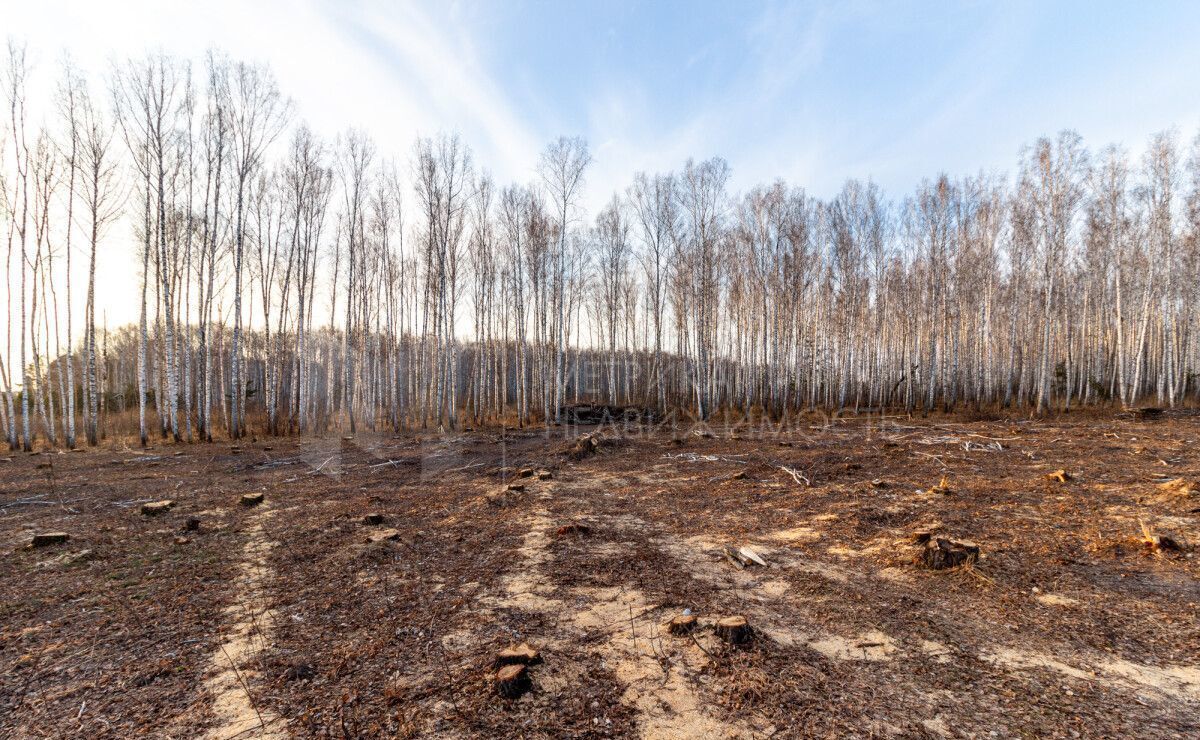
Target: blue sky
column 818, row 92
column 811, row 92
column 814, row 93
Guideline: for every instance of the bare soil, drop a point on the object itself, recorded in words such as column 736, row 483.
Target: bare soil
column 297, row 617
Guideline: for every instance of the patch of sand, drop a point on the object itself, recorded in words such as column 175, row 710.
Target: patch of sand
column 1056, row 600
column 1176, row 680
column 871, row 646
column 795, row 534
column 525, row 587
column 1023, row 660
column 246, row 634
column 657, row 670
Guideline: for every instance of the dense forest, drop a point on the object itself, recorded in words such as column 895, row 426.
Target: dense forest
column 292, row 284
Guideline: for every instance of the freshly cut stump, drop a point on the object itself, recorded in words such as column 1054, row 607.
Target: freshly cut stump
column 544, row 475
column 512, row 680
column 1159, row 543
column 681, row 624
column 940, row 553
column 525, row 473
column 734, row 630
column 43, row 539
column 373, row 518
column 521, row 654
column 515, row 487
column 252, row 499
column 153, row 508
column 1058, row 476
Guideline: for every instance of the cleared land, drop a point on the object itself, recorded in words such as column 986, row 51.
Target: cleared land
column 298, row 617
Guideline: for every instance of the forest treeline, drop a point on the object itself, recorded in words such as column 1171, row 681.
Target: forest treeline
column 311, row 283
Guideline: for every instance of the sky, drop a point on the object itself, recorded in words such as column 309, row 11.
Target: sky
column 814, row 93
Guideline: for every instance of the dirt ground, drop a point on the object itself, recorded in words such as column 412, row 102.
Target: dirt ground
column 295, row 617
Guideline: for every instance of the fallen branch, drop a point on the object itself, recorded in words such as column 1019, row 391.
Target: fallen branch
column 796, row 475
column 317, row 469
column 393, row 463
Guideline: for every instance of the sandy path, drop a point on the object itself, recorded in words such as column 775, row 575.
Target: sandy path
column 248, row 626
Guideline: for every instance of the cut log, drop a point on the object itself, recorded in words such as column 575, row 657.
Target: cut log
column 743, row 556
column 43, row 539
column 373, row 518
column 252, row 499
column 940, row 553
column 512, row 680
column 681, row 624
column 521, row 654
column 734, row 630
column 153, row 508
column 573, row 528
column 751, row 556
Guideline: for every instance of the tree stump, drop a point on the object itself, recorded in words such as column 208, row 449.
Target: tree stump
column 42, row 539
column 512, row 680
column 373, row 518
column 584, row 446
column 515, row 487
column 544, row 474
column 1058, row 476
column 252, row 499
column 1163, row 543
column 734, row 630
column 521, row 654
column 572, row 528
column 681, row 624
column 525, row 473
column 940, row 553
column 154, row 508
column 192, row 524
